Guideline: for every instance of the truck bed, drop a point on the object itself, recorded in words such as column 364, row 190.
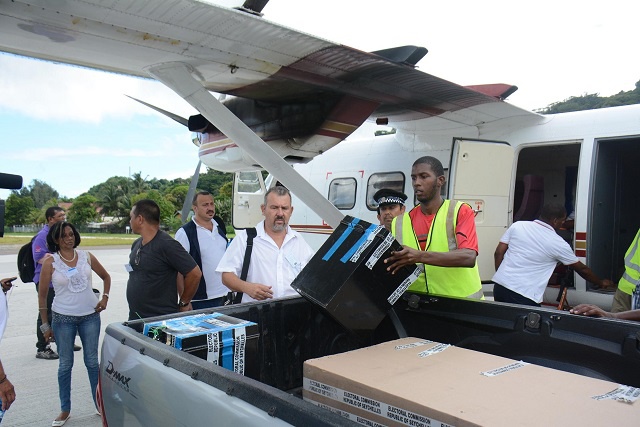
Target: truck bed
column 145, row 382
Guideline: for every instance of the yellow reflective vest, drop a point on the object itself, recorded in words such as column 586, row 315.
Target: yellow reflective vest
column 449, row 281
column 631, row 276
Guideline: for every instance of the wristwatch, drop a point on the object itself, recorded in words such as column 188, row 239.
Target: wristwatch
column 183, row 304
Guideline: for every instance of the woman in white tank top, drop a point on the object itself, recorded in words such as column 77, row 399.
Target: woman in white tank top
column 76, row 308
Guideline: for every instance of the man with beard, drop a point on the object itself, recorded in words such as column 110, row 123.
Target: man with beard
column 279, row 253
column 205, row 238
column 438, row 233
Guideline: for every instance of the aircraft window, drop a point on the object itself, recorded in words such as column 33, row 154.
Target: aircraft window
column 248, row 182
column 378, row 181
column 342, row 193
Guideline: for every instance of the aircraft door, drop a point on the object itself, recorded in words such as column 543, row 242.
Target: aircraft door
column 480, row 173
column 248, row 194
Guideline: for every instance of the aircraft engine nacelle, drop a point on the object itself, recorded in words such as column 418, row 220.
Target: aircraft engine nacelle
column 297, row 131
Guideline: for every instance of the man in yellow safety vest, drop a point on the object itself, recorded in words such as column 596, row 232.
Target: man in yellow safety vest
column 438, row 233
column 628, row 290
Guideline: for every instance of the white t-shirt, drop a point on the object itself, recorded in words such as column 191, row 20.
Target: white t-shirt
column 270, row 265
column 534, row 251
column 212, row 247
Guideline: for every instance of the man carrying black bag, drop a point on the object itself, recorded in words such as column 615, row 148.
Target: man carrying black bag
column 279, row 253
column 205, row 238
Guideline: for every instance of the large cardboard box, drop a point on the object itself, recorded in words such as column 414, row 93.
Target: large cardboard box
column 348, row 279
column 223, row 340
column 414, row 382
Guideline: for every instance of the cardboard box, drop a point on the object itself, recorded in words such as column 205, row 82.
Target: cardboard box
column 348, row 279
column 414, row 382
column 223, row 340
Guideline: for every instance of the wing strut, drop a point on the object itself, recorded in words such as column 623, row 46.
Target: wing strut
column 177, row 77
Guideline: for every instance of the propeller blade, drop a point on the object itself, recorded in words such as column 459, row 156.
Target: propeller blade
column 186, row 207
column 184, row 122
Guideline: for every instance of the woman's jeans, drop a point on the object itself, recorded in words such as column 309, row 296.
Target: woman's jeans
column 65, row 329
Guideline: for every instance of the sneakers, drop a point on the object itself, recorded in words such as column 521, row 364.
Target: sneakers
column 47, row 353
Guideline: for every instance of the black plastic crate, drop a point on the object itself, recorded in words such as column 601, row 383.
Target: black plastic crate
column 348, row 278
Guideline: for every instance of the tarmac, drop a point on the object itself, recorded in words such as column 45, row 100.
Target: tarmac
column 36, row 380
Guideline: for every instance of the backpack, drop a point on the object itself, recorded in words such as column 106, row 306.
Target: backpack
column 26, row 265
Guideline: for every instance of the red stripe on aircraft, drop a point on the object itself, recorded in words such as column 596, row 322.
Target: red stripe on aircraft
column 581, row 235
column 216, row 149
column 581, row 252
column 332, row 134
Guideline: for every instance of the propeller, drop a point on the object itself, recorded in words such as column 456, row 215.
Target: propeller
column 184, row 122
column 186, row 206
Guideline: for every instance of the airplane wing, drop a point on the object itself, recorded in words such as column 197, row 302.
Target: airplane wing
column 195, row 46
column 230, row 51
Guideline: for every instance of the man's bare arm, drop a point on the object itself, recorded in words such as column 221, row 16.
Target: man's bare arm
column 408, row 256
column 191, row 283
column 498, row 255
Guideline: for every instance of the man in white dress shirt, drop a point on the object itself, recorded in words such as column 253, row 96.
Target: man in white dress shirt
column 279, row 253
column 205, row 238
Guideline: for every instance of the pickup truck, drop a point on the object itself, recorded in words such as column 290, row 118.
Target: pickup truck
column 144, row 382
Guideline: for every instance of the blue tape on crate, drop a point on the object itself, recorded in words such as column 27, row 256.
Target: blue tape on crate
column 357, row 244
column 227, row 349
column 341, row 239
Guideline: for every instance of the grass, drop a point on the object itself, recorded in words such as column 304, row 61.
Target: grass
column 88, row 239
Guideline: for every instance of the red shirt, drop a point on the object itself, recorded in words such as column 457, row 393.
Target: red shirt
column 465, row 227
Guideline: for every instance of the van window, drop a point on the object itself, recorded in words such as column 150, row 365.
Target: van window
column 342, row 193
column 378, row 181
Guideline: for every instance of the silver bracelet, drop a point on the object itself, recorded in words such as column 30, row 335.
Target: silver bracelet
column 45, row 327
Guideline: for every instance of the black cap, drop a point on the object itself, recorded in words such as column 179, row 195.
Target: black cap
column 389, row 197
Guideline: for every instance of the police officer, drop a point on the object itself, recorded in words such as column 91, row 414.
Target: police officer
column 390, row 205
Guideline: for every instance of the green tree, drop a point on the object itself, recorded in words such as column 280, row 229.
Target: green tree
column 593, row 101
column 19, row 209
column 223, row 209
column 109, row 199
column 226, row 190
column 40, row 192
column 167, row 210
column 213, row 180
column 177, row 194
column 83, row 210
column 138, row 184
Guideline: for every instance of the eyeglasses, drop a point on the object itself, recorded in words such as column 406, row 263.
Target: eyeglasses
column 136, row 258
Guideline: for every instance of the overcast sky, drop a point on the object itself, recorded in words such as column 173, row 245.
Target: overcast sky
column 74, row 128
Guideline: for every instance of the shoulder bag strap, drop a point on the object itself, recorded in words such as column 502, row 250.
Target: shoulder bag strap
column 251, row 233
